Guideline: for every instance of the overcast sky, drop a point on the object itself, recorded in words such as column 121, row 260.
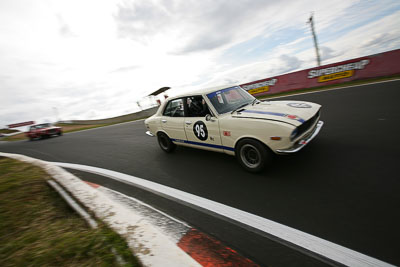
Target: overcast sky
column 87, row 59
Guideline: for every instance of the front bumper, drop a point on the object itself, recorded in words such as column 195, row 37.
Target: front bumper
column 303, row 142
column 149, row 133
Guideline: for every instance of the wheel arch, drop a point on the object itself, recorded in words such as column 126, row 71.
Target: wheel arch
column 162, row 131
column 251, row 138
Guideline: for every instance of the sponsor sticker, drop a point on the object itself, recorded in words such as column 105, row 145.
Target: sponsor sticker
column 259, row 90
column 337, row 72
column 336, row 76
column 200, row 130
column 293, row 117
column 227, row 133
column 220, row 99
column 299, row 105
column 259, row 87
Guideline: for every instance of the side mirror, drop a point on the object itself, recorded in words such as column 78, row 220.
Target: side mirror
column 209, row 118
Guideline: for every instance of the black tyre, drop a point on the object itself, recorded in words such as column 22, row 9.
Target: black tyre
column 165, row 143
column 60, row 133
column 253, row 155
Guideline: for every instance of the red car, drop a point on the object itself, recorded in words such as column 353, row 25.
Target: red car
column 42, row 131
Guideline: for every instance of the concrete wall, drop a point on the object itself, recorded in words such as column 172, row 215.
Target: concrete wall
column 128, row 117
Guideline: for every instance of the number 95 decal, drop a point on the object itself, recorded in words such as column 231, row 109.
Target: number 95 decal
column 200, row 130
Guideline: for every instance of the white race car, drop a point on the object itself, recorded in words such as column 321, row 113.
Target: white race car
column 230, row 120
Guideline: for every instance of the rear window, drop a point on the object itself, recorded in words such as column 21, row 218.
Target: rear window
column 174, row 108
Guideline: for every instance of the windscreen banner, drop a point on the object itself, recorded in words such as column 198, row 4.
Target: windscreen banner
column 378, row 65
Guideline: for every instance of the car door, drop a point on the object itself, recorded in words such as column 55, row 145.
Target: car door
column 32, row 131
column 201, row 133
column 172, row 120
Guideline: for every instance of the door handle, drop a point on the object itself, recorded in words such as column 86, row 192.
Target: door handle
column 163, row 121
column 188, row 122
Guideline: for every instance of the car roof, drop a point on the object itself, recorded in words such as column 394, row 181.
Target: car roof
column 39, row 124
column 204, row 91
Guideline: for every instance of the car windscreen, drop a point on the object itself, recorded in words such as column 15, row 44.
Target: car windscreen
column 227, row 100
column 40, row 126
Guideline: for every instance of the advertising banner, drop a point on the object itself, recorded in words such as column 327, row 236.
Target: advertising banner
column 16, row 125
column 378, row 65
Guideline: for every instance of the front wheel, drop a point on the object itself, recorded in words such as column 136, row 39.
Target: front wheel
column 253, row 155
column 165, row 143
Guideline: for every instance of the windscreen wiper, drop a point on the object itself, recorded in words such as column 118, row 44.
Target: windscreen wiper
column 241, row 106
column 254, row 101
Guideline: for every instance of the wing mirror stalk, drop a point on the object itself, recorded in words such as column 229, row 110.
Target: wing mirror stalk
column 209, row 118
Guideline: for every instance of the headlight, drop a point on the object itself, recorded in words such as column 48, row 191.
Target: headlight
column 293, row 135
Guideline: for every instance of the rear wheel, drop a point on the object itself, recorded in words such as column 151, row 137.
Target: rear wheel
column 165, row 143
column 253, row 155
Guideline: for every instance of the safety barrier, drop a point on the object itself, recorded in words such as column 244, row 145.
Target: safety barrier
column 378, row 65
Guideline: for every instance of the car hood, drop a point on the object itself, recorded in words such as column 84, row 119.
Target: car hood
column 292, row 112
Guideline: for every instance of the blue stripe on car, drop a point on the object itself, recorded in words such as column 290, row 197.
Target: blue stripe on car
column 271, row 113
column 202, row 144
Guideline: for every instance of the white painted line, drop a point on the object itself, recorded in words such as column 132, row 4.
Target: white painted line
column 326, row 90
column 106, row 190
column 309, row 242
column 166, row 224
column 11, row 134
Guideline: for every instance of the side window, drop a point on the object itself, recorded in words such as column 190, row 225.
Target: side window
column 196, row 106
column 174, row 108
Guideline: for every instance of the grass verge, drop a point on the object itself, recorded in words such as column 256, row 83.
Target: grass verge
column 37, row 228
column 69, row 128
column 321, row 88
column 8, row 131
column 17, row 137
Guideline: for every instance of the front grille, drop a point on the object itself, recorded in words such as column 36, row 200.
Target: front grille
column 52, row 131
column 307, row 125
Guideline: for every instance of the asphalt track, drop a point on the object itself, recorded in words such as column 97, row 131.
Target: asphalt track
column 343, row 187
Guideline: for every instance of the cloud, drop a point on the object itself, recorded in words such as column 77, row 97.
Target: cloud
column 194, row 25
column 377, row 36
column 255, row 71
column 288, row 63
column 376, row 41
column 327, row 53
column 125, row 69
column 140, row 20
column 64, row 28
